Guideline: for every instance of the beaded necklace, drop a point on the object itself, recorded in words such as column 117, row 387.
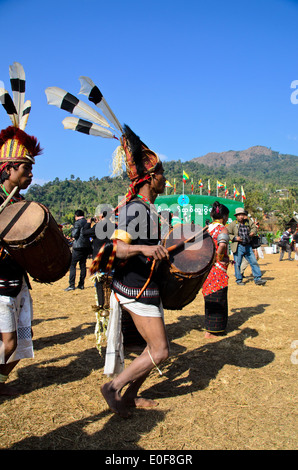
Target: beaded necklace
column 144, row 198
column 7, row 194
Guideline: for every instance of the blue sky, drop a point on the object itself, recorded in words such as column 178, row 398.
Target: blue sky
column 189, row 77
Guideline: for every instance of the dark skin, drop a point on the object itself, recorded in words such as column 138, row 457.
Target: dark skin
column 21, row 177
column 152, row 329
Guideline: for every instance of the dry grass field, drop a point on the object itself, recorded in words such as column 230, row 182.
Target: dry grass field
column 234, row 392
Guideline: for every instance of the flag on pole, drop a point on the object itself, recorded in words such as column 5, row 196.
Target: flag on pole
column 185, row 177
column 226, row 190
column 200, row 184
column 168, row 185
column 174, row 186
column 191, row 185
column 235, row 192
column 242, row 193
column 220, row 185
column 209, row 189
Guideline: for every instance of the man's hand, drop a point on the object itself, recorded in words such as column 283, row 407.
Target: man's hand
column 157, row 252
column 125, row 251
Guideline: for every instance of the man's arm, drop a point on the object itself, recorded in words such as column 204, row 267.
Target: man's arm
column 75, row 233
column 126, row 251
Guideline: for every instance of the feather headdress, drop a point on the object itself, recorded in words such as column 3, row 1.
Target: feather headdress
column 132, row 154
column 15, row 144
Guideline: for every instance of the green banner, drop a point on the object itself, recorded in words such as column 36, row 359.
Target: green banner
column 187, row 208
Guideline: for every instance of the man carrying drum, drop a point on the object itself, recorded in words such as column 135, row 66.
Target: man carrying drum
column 17, row 152
column 136, row 242
column 129, row 255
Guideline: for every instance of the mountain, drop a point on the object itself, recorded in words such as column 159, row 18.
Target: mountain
column 256, row 164
column 236, row 157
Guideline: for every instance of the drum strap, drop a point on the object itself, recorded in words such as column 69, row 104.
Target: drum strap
column 148, row 280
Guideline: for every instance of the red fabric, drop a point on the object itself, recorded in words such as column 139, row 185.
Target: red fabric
column 218, row 277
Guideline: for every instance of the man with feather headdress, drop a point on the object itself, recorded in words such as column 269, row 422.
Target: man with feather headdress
column 132, row 251
column 135, row 286
column 17, row 155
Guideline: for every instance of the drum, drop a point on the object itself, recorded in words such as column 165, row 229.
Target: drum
column 32, row 237
column 182, row 276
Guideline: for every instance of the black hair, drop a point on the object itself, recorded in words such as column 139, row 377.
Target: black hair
column 4, row 175
column 219, row 210
column 79, row 213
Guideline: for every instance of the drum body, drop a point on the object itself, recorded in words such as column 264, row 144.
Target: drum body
column 182, row 276
column 32, row 237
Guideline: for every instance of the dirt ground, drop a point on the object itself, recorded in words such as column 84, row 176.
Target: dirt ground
column 234, row 392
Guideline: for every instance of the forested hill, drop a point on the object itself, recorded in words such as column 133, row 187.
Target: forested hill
column 259, row 170
column 255, row 162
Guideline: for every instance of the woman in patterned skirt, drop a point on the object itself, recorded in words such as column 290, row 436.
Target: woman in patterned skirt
column 215, row 288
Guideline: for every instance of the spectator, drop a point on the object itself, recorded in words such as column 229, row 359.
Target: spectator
column 81, row 248
column 285, row 245
column 241, row 232
column 295, row 241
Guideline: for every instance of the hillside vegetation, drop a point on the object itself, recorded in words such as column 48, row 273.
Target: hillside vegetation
column 261, row 172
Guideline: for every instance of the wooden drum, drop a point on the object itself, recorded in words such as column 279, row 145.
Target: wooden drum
column 182, row 276
column 32, row 237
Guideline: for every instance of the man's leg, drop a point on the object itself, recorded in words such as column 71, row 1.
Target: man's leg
column 82, row 263
column 244, row 265
column 9, row 343
column 153, row 331
column 289, row 250
column 72, row 269
column 255, row 268
column 238, row 256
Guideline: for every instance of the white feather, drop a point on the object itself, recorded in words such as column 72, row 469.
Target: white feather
column 4, row 96
column 72, row 122
column 16, row 71
column 55, row 97
column 86, row 86
column 25, row 115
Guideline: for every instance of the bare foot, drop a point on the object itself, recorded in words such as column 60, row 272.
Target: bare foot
column 8, row 391
column 144, row 402
column 113, row 399
column 210, row 335
column 133, row 401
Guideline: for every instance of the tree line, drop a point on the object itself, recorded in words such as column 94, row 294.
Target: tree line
column 261, row 178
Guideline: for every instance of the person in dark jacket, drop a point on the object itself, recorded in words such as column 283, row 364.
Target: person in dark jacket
column 285, row 244
column 81, row 248
column 99, row 229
